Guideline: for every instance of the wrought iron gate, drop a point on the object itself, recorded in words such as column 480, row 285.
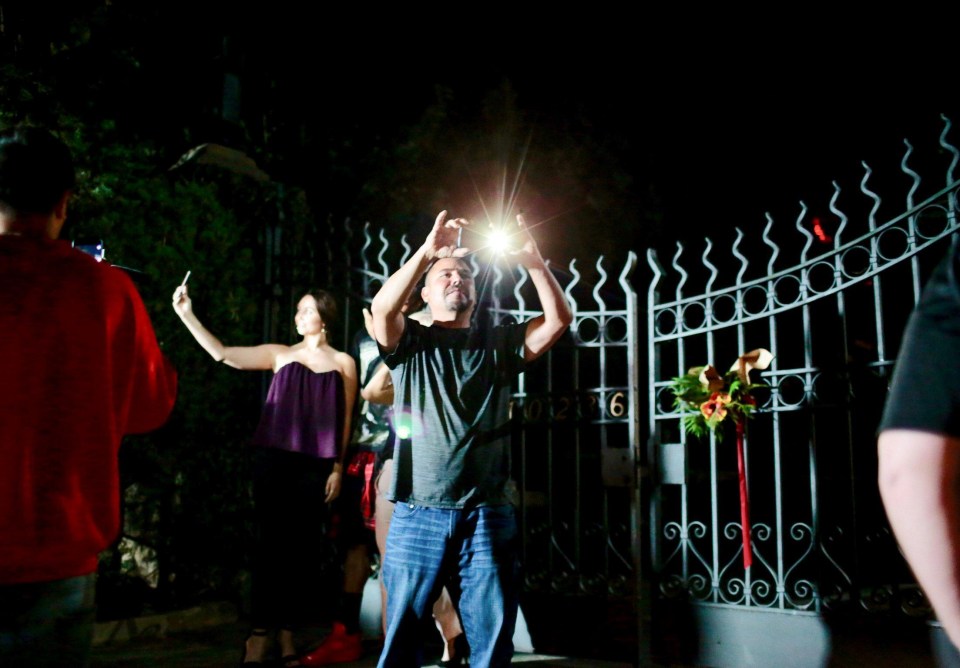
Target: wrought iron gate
column 832, row 317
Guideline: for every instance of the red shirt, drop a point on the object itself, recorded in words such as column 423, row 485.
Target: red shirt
column 79, row 368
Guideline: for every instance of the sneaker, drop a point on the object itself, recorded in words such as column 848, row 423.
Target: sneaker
column 338, row 647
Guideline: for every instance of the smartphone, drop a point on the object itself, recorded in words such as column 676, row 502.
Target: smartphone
column 94, row 247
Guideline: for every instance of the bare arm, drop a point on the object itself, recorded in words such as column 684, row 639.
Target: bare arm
column 348, row 372
column 918, row 484
column 380, row 388
column 239, row 357
column 388, row 322
column 544, row 330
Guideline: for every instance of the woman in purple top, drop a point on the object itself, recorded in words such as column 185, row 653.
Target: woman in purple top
column 302, row 436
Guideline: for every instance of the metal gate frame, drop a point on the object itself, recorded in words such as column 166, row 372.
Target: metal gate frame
column 833, row 321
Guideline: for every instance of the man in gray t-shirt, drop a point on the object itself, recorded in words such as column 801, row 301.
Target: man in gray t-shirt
column 453, row 521
column 451, row 392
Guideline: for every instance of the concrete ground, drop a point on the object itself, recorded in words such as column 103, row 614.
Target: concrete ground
column 211, row 636
column 220, row 647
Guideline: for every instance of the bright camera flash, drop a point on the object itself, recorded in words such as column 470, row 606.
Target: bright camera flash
column 499, row 240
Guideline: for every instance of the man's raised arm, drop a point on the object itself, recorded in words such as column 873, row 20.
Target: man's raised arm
column 544, row 330
column 388, row 322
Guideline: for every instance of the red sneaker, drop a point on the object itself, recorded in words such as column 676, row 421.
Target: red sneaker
column 338, row 647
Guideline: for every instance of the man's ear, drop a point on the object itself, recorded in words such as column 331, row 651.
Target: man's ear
column 58, row 216
column 423, row 294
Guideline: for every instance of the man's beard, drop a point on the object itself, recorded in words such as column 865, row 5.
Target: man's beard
column 457, row 302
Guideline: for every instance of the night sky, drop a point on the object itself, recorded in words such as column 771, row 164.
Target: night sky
column 722, row 125
column 715, row 127
column 718, row 150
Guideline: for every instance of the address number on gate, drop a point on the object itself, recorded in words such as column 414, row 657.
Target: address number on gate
column 561, row 408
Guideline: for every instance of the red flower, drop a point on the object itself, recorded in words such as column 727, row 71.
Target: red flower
column 715, row 408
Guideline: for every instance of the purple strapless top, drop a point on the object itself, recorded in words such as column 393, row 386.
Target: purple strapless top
column 304, row 412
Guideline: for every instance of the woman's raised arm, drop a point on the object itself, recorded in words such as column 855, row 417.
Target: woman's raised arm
column 239, row 357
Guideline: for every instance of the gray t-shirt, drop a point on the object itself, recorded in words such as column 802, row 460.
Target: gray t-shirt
column 452, row 392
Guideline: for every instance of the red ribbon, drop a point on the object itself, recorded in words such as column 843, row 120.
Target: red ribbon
column 362, row 466
column 744, row 500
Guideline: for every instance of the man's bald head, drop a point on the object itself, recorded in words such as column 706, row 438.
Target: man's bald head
column 449, row 289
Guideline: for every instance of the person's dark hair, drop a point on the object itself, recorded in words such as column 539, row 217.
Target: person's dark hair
column 326, row 305
column 36, row 169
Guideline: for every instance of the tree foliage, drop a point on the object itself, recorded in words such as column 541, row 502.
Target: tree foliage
column 133, row 86
column 187, row 506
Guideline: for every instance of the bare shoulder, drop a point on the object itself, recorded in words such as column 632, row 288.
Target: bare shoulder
column 284, row 354
column 278, row 350
column 291, row 349
column 346, row 362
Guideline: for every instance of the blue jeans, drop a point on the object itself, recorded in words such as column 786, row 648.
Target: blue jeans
column 471, row 551
column 47, row 623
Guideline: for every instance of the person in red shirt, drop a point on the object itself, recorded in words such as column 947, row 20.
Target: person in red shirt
column 80, row 367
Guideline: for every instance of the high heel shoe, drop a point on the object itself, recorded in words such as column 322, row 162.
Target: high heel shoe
column 287, row 661
column 461, row 650
column 256, row 633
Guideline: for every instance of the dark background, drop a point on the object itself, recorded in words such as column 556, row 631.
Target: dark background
column 629, row 128
column 621, row 129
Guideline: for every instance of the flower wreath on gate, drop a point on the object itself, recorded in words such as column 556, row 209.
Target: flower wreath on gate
column 710, row 398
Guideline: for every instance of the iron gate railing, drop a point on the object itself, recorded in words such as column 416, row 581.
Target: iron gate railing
column 830, row 310
column 833, row 320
